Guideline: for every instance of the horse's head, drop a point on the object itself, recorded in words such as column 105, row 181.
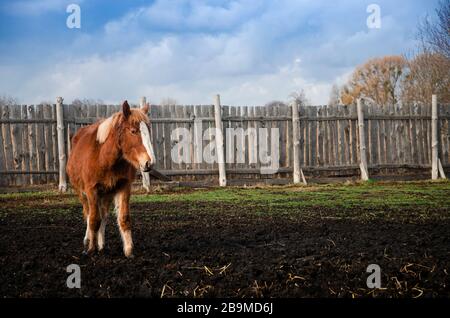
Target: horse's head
column 134, row 137
column 128, row 131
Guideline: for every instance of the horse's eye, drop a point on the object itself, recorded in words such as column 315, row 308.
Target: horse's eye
column 134, row 131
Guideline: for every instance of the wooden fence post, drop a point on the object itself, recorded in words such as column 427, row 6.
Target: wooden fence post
column 61, row 145
column 298, row 173
column 436, row 165
column 362, row 142
column 434, row 138
column 145, row 175
column 219, row 141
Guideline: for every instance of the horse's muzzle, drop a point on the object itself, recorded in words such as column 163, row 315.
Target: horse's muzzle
column 147, row 167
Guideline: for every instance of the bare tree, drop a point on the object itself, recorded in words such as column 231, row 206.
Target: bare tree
column 275, row 103
column 87, row 102
column 8, row 100
column 434, row 34
column 335, row 96
column 428, row 73
column 429, row 69
column 300, row 97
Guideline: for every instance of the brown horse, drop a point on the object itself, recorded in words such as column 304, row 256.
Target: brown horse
column 101, row 167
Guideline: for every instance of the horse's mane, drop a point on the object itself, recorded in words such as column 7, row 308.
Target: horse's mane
column 103, row 130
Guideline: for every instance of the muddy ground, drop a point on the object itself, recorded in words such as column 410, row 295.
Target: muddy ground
column 226, row 249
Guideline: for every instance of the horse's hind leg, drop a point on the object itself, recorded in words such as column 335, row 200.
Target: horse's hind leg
column 84, row 202
column 104, row 205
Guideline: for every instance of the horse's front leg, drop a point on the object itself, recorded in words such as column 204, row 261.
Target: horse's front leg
column 122, row 206
column 93, row 220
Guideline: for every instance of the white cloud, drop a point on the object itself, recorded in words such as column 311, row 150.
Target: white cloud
column 185, row 15
column 251, row 52
column 157, row 70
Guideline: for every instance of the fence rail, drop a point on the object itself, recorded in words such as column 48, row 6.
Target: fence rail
column 328, row 138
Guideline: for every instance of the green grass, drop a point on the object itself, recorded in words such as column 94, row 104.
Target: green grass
column 363, row 195
column 433, row 194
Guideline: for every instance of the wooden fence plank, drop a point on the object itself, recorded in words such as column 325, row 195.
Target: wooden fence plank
column 196, row 139
column 335, row 137
column 406, row 134
column 426, row 134
column 281, row 125
column 418, row 134
column 252, row 141
column 346, row 123
column 211, row 126
column 154, row 133
column 169, row 112
column 3, row 163
column 411, row 136
column 49, row 162
column 26, row 166
column 40, row 143
column 307, row 137
column 353, row 136
column 186, row 113
column 160, row 139
column 341, row 140
column 327, row 141
column 312, row 113
column 206, row 111
column 303, row 137
column 444, row 133
column 55, row 140
column 179, row 112
column 16, row 140
column 319, row 134
column 244, row 125
column 7, row 143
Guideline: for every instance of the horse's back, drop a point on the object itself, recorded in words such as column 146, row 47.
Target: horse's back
column 85, row 133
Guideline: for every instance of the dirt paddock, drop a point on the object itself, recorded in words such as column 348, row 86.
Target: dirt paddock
column 237, row 242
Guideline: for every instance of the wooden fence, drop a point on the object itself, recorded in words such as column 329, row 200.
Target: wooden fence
column 327, row 139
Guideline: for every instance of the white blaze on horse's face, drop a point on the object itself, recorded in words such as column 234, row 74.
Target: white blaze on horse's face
column 147, row 142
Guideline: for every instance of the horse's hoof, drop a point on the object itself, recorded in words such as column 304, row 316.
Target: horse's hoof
column 130, row 256
column 102, row 251
column 87, row 253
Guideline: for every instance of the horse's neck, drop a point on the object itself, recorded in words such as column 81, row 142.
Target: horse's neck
column 109, row 153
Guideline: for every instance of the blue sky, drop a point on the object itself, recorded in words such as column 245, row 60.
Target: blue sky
column 251, row 52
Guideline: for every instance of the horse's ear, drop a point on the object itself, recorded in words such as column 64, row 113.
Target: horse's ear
column 145, row 108
column 126, row 109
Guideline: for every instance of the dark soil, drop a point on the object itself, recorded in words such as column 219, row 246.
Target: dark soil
column 211, row 250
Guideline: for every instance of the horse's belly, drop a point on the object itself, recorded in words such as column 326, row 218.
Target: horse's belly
column 112, row 186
